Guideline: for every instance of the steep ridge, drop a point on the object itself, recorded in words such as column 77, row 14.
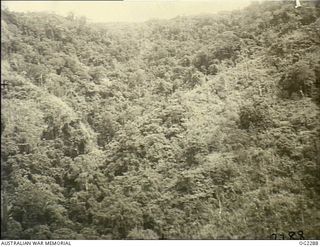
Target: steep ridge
column 202, row 127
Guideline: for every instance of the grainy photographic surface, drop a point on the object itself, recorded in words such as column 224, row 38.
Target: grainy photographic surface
column 160, row 120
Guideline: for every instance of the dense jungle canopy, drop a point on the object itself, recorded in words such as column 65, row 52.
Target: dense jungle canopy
column 200, row 127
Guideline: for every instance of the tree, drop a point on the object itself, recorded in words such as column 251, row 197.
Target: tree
column 255, row 116
column 298, row 79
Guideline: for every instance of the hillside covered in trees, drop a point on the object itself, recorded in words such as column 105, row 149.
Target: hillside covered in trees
column 203, row 127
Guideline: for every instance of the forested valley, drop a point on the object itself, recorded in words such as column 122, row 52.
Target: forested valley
column 197, row 127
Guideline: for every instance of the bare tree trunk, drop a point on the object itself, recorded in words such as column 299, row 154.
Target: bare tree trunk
column 220, row 207
column 4, row 211
column 298, row 4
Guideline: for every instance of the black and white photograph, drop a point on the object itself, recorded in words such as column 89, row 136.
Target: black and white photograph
column 160, row 120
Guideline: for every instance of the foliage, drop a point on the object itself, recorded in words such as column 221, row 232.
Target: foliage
column 203, row 127
column 299, row 79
